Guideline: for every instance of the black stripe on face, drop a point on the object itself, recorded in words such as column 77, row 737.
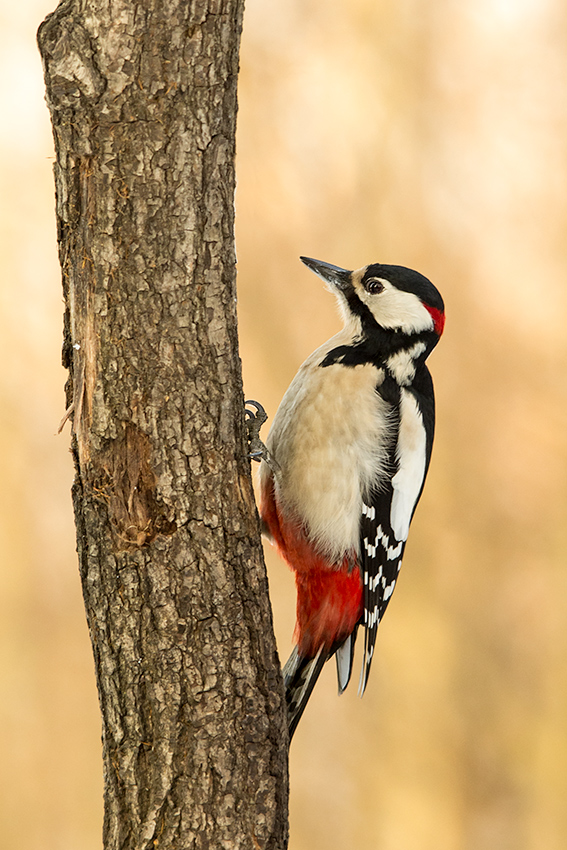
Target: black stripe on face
column 360, row 309
column 377, row 345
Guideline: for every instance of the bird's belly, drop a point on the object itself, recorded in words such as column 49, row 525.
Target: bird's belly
column 332, row 443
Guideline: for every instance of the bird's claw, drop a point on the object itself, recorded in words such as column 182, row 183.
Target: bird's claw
column 254, row 421
column 258, row 417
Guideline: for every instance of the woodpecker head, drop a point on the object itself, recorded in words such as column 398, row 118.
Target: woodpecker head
column 393, row 297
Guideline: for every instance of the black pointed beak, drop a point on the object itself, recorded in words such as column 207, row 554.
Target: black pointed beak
column 337, row 277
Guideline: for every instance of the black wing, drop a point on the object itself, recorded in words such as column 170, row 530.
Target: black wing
column 387, row 511
column 381, row 555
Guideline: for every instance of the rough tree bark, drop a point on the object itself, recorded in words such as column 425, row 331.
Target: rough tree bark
column 142, row 97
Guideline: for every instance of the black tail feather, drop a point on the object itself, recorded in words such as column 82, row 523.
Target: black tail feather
column 300, row 676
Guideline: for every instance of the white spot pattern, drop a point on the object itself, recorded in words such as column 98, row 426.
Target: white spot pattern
column 392, row 552
column 382, row 559
column 389, row 590
column 370, row 512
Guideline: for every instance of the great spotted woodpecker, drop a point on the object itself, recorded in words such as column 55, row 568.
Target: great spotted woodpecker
column 346, row 460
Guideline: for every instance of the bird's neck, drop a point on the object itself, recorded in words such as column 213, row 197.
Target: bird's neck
column 399, row 353
column 403, row 363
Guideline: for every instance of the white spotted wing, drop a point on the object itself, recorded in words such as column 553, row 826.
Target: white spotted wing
column 386, row 515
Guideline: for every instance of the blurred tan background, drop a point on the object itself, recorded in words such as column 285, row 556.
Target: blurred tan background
column 429, row 134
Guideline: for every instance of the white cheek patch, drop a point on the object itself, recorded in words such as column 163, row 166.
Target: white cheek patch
column 411, row 454
column 395, row 308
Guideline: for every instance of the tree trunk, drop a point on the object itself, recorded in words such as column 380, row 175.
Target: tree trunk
column 143, row 104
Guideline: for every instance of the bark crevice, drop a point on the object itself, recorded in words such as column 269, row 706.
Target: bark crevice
column 143, row 107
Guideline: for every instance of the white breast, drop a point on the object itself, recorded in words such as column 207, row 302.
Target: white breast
column 411, row 454
column 330, row 437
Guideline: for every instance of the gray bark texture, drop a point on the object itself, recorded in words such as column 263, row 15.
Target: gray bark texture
column 142, row 96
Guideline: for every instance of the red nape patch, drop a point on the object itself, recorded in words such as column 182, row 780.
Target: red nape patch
column 329, row 596
column 438, row 317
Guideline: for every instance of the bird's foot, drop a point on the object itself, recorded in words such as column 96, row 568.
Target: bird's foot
column 254, row 421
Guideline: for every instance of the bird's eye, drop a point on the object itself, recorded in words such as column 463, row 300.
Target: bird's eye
column 374, row 285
